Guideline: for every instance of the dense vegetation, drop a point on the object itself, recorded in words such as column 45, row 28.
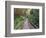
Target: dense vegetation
column 18, row 22
column 34, row 17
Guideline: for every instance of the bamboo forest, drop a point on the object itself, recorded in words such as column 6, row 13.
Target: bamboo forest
column 26, row 18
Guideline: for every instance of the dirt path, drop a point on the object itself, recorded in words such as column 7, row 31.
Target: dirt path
column 27, row 24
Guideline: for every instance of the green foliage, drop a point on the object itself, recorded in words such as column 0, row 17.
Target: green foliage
column 34, row 16
column 18, row 21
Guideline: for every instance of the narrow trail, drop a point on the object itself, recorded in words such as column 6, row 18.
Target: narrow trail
column 27, row 24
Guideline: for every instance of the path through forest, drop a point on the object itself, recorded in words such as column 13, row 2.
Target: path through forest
column 27, row 24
